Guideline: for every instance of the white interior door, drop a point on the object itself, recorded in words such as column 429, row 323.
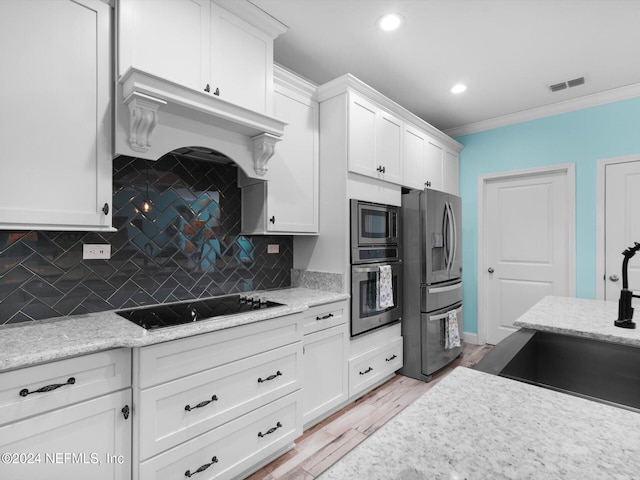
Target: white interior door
column 528, row 245
column 622, row 225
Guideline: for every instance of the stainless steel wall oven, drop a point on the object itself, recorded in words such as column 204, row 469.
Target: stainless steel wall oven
column 376, row 266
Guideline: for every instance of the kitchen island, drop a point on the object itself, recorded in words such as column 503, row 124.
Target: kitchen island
column 474, row 425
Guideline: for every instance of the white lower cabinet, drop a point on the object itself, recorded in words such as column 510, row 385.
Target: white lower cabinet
column 326, row 382
column 374, row 358
column 218, row 404
column 68, row 419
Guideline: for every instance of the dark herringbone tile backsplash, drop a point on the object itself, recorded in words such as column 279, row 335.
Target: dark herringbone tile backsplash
column 188, row 246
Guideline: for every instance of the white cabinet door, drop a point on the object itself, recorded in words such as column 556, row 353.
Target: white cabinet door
column 292, row 200
column 288, row 203
column 375, row 141
column 389, row 147
column 413, row 157
column 168, row 38
column 450, row 174
column 86, row 440
column 325, row 381
column 55, row 126
column 362, row 136
column 241, row 61
column 434, row 157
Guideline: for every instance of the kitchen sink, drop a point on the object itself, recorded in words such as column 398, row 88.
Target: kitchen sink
column 600, row 371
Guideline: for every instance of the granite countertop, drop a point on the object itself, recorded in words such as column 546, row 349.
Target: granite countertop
column 579, row 317
column 473, row 425
column 31, row 343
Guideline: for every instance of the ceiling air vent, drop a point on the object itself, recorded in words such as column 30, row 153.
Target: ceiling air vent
column 556, row 87
column 575, row 82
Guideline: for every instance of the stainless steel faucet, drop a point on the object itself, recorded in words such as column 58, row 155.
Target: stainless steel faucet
column 625, row 310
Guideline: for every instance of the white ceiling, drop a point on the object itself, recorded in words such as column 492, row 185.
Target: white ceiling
column 508, row 52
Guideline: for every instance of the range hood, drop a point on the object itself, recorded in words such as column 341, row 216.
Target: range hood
column 155, row 116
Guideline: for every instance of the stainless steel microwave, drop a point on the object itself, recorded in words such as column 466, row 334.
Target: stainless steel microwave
column 373, row 225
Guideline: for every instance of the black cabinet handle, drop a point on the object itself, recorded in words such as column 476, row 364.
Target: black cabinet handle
column 125, row 411
column 105, row 209
column 329, row 315
column 427, row 184
column 272, row 219
column 25, row 391
column 217, row 92
column 370, row 369
column 201, row 469
column 270, row 431
column 207, row 88
column 392, row 357
column 380, row 169
column 270, row 377
column 188, row 408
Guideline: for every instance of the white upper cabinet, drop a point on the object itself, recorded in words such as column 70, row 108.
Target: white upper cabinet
column 375, row 141
column 413, row 170
column 288, row 203
column 450, row 175
column 55, row 126
column 168, row 38
column 434, row 158
column 201, row 45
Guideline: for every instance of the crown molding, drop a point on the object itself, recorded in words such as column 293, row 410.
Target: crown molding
column 587, row 101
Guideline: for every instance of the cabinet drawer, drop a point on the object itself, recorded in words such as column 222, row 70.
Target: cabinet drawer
column 325, row 316
column 232, row 448
column 224, row 393
column 373, row 366
column 62, row 383
column 176, row 359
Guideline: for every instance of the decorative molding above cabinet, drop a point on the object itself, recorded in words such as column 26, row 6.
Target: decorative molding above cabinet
column 197, row 73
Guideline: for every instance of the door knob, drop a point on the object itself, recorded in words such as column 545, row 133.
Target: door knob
column 490, row 270
column 614, row 278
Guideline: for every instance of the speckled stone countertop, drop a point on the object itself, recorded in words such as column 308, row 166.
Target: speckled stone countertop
column 46, row 340
column 579, row 317
column 473, row 425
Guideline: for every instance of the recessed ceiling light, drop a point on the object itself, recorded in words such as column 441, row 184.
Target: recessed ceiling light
column 389, row 22
column 458, row 88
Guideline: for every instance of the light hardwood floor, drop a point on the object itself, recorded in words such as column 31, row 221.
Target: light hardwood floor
column 325, row 443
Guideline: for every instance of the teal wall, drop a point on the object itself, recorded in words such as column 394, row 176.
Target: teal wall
column 581, row 137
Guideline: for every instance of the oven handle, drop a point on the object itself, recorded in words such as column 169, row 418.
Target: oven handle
column 373, row 268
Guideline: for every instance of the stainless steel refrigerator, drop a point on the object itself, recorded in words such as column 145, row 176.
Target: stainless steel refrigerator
column 432, row 279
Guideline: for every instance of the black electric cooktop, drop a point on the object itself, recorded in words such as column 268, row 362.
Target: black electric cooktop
column 170, row 314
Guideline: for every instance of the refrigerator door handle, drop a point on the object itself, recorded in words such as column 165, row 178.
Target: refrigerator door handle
column 450, row 236
column 455, row 236
column 442, row 316
column 448, row 288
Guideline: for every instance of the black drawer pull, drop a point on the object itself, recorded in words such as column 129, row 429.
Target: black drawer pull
column 270, row 431
column 370, row 369
column 25, row 391
column 188, row 408
column 270, row 377
column 325, row 317
column 392, row 357
column 202, row 468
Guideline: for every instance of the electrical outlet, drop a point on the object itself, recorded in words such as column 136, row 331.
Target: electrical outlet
column 96, row 251
column 273, row 248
